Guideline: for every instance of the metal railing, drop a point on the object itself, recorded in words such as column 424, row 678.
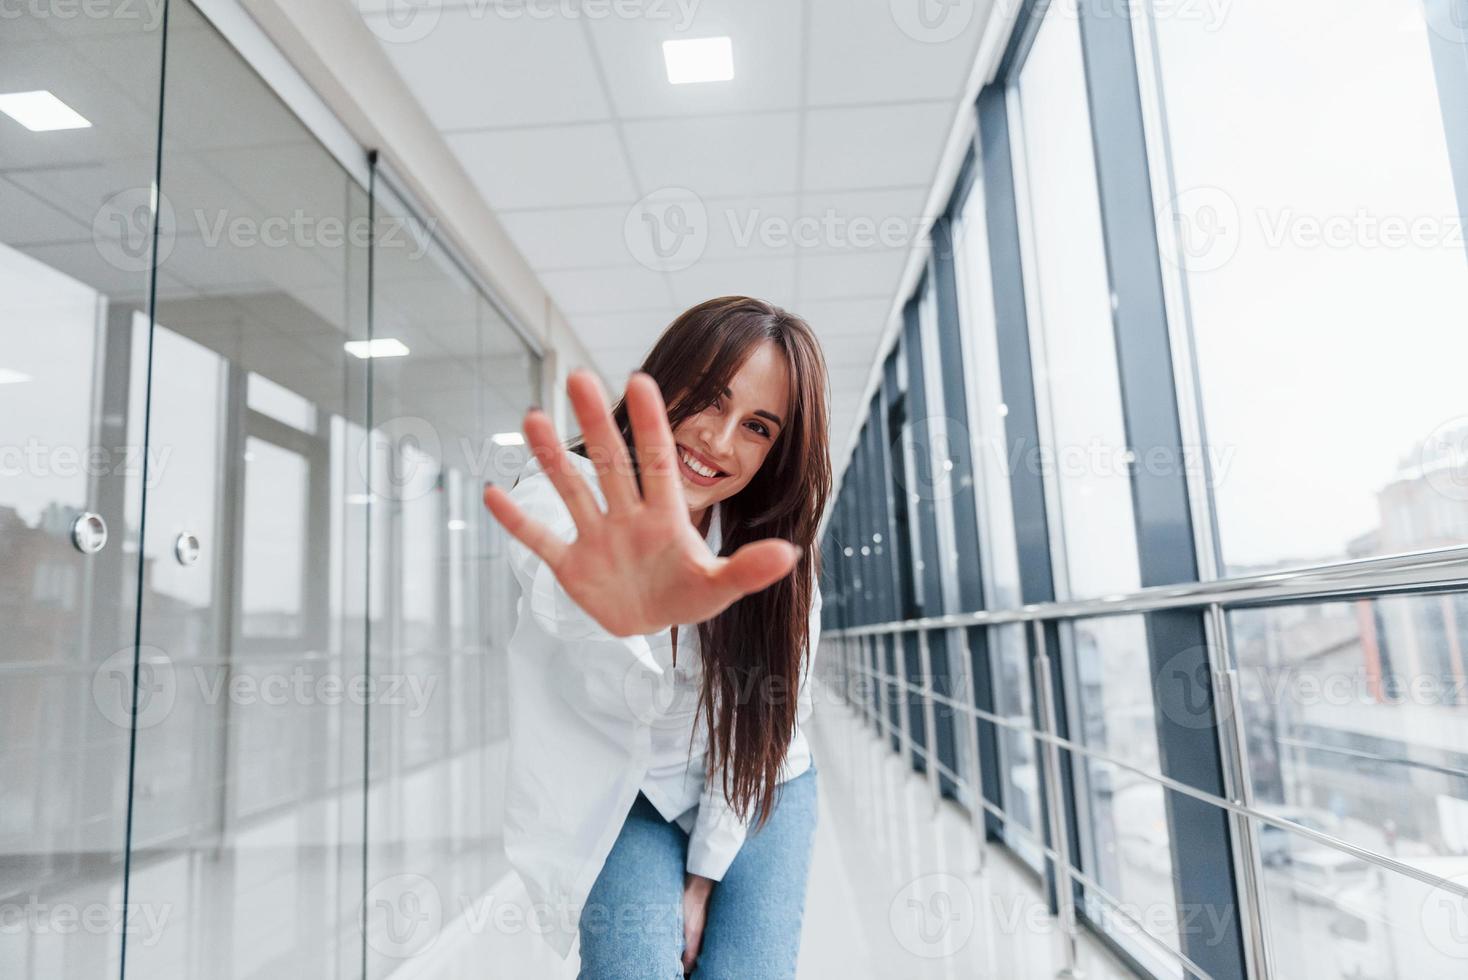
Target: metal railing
column 1417, row 573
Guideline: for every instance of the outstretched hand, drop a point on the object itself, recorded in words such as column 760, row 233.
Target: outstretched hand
column 640, row 566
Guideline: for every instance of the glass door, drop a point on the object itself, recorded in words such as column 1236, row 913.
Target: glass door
column 248, row 793
column 77, row 161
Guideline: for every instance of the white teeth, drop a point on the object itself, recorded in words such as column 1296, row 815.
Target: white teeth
column 697, row 467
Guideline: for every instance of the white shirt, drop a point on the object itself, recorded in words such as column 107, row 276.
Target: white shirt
column 594, row 718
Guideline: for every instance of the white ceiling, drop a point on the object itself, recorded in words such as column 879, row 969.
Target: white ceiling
column 561, row 113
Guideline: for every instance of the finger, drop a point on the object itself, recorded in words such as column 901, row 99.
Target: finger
column 604, row 444
column 756, row 566
column 692, row 940
column 656, row 460
column 562, row 472
column 525, row 529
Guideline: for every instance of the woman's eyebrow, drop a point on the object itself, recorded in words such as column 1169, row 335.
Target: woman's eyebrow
column 760, row 411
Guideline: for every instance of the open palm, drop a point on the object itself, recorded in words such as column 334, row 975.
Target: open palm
column 639, row 566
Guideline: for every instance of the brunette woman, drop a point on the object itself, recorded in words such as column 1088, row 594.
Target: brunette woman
column 661, row 797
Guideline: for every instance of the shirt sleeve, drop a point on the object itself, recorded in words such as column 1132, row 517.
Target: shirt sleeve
column 605, row 674
column 718, row 833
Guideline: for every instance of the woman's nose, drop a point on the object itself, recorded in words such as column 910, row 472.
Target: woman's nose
column 719, row 437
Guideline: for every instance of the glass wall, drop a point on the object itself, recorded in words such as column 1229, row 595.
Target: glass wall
column 998, row 546
column 1319, row 233
column 1336, row 260
column 1210, row 335
column 254, row 689
column 441, row 606
column 1357, row 722
column 75, row 248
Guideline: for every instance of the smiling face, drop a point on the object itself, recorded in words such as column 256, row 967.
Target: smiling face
column 721, row 448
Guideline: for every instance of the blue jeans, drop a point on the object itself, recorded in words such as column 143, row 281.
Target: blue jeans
column 632, row 926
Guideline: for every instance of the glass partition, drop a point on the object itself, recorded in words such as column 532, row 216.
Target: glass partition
column 236, row 536
column 442, row 605
column 75, row 256
column 247, row 792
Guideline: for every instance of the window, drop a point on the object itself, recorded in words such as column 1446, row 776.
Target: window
column 1085, row 453
column 1356, row 718
column 998, row 550
column 1318, row 233
column 1124, row 828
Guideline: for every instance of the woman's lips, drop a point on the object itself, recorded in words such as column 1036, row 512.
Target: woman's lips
column 698, row 479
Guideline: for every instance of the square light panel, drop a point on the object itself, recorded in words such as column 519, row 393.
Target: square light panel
column 41, row 112
column 701, row 59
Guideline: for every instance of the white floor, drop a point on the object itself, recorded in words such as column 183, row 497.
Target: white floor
column 894, row 890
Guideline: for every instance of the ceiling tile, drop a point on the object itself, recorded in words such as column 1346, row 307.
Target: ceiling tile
column 556, row 166
column 772, row 280
column 571, row 238
column 864, row 53
column 846, row 318
column 723, row 155
column 765, row 35
column 464, row 71
column 804, row 178
column 849, row 275
column 874, row 147
column 857, row 220
column 606, row 290
column 622, row 331
column 746, row 227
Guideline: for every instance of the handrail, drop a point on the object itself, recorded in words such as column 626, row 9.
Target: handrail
column 1420, row 571
column 1367, row 855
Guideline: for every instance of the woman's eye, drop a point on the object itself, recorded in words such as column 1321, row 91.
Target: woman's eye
column 761, row 428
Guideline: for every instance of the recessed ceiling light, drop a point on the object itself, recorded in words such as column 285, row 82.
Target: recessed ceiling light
column 41, row 112
column 701, row 59
column 10, row 376
column 381, row 347
column 507, row 439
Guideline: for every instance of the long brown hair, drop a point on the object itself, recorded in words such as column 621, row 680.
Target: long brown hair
column 754, row 651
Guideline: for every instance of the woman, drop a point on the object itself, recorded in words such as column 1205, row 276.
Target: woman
column 661, row 796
